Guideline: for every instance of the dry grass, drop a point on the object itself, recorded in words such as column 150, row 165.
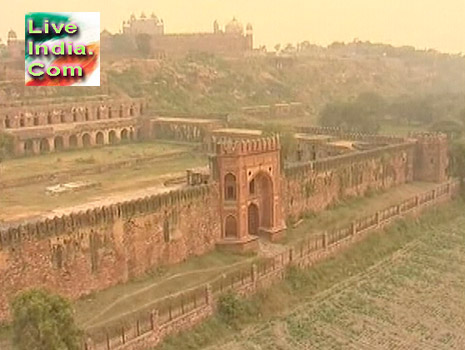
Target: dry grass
column 412, row 296
column 31, row 200
column 137, row 296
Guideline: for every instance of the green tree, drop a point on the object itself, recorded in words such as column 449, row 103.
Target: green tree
column 350, row 116
column 372, row 103
column 43, row 321
column 287, row 139
column 414, row 110
column 462, row 116
column 457, row 165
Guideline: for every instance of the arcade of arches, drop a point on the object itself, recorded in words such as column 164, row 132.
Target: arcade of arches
column 78, row 140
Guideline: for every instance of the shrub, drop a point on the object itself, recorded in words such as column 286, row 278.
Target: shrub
column 43, row 321
column 233, row 309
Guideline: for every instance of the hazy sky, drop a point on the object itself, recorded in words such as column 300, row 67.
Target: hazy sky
column 420, row 23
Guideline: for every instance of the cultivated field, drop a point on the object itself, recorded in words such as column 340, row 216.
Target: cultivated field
column 412, row 299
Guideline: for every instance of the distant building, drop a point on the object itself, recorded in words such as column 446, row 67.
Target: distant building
column 147, row 36
column 15, row 47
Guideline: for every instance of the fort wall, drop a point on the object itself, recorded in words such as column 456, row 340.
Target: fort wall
column 184, row 310
column 313, row 186
column 83, row 252
column 88, row 251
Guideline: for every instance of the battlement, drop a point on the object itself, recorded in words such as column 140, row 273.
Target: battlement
column 250, row 146
column 69, row 224
column 346, row 159
column 351, row 135
column 71, row 112
column 429, row 137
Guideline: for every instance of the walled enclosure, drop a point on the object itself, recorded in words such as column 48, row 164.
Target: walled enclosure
column 88, row 251
column 42, row 129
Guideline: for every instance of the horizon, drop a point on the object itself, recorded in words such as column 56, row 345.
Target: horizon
column 423, row 24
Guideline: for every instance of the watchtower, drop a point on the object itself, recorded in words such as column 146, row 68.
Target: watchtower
column 249, row 175
column 431, row 157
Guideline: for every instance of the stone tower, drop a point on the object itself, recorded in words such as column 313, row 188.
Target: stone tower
column 431, row 157
column 249, row 36
column 248, row 174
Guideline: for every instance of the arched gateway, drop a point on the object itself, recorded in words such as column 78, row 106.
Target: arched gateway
column 247, row 172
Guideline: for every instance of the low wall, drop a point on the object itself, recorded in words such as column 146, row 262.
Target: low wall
column 83, row 252
column 185, row 310
column 347, row 135
column 313, row 186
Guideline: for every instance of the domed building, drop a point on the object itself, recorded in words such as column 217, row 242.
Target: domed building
column 12, row 37
column 230, row 41
column 15, row 47
column 234, row 27
column 143, row 25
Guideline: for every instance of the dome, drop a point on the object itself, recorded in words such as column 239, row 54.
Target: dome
column 12, row 34
column 234, row 27
column 249, row 27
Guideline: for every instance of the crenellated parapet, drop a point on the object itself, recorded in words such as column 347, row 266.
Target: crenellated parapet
column 18, row 117
column 351, row 135
column 96, row 217
column 343, row 160
column 429, row 137
column 250, row 146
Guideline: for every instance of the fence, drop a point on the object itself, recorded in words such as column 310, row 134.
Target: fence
column 186, row 309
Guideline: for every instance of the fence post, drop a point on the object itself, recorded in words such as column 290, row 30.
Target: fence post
column 154, row 321
column 254, row 274
column 291, row 255
column 325, row 239
column 377, row 218
column 182, row 303
column 417, row 201
column 208, row 294
column 123, row 337
column 108, row 341
column 353, row 228
column 137, row 327
column 88, row 344
column 398, row 209
column 434, row 195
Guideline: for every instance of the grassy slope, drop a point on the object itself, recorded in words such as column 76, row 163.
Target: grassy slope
column 138, row 296
column 401, row 288
column 210, row 84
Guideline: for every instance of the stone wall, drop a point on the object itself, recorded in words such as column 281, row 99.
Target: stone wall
column 348, row 135
column 42, row 115
column 88, row 251
column 61, row 126
column 187, row 309
column 313, row 186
